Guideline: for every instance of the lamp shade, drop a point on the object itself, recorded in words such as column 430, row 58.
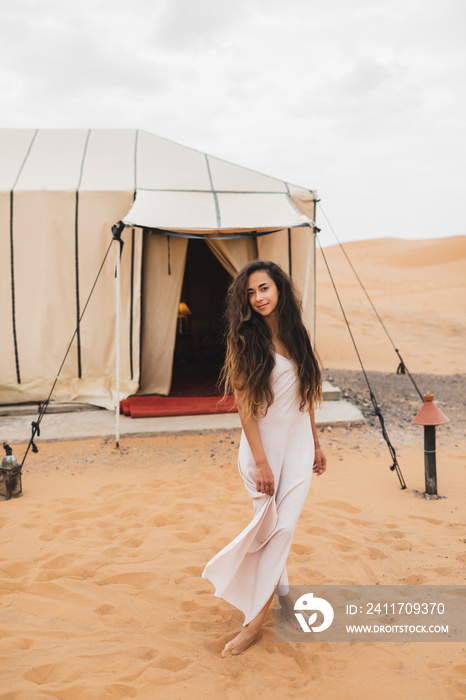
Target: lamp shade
column 183, row 310
column 430, row 414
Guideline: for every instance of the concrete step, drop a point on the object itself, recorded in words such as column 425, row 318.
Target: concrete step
column 101, row 424
column 32, row 409
column 330, row 392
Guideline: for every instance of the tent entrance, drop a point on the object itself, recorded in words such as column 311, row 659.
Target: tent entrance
column 199, row 347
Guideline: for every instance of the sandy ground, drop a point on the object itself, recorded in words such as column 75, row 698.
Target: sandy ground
column 101, row 559
column 101, row 586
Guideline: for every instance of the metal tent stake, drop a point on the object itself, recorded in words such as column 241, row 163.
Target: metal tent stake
column 430, row 416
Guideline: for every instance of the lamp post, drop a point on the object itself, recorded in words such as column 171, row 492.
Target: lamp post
column 430, row 416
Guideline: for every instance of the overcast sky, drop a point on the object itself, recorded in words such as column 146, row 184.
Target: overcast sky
column 363, row 100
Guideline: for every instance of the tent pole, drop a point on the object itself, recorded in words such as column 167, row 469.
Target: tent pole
column 314, row 233
column 117, row 348
column 308, row 265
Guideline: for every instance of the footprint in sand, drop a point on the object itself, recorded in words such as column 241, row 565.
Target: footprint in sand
column 136, row 512
column 302, row 549
column 132, row 542
column 61, row 562
column 193, row 570
column 341, row 547
column 316, row 577
column 375, row 553
column 108, row 488
column 361, row 523
column 106, row 610
column 197, row 534
column 457, row 680
column 47, row 673
column 316, row 531
column 172, row 663
column 433, row 521
column 189, row 606
column 341, row 505
column 22, row 643
column 136, row 579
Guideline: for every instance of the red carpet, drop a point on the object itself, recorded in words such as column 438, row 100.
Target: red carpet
column 155, row 406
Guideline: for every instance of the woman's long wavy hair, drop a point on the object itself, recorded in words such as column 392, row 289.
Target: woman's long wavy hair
column 249, row 359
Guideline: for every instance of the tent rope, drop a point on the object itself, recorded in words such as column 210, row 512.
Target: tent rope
column 43, row 406
column 401, row 369
column 377, row 411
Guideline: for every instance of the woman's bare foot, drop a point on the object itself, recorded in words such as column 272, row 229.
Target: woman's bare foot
column 287, row 607
column 248, row 634
column 241, row 642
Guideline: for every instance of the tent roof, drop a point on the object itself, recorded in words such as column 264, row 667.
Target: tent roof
column 176, row 188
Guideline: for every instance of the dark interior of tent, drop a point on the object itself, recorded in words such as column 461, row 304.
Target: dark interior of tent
column 200, row 348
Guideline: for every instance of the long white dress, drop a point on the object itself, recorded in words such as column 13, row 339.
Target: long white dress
column 246, row 572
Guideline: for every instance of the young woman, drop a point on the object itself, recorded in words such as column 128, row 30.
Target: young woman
column 272, row 370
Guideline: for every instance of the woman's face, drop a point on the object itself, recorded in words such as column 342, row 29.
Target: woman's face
column 262, row 293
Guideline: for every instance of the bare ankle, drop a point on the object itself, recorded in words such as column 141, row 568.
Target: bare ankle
column 252, row 627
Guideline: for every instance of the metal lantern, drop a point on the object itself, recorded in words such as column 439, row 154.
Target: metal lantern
column 429, row 416
column 10, row 475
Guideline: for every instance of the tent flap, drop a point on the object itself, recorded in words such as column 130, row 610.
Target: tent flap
column 203, row 212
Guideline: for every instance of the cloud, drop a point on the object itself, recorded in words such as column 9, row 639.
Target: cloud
column 200, row 24
column 352, row 97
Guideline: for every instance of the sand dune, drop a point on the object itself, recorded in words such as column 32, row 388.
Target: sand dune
column 101, row 561
column 419, row 291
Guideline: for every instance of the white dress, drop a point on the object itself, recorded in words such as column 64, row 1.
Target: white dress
column 246, row 571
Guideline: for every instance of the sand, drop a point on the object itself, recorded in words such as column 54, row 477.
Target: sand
column 102, row 595
column 419, row 291
column 101, row 559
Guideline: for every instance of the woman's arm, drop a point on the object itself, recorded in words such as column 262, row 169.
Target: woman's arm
column 264, row 476
column 320, row 460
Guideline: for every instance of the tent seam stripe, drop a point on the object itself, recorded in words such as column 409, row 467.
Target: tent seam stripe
column 13, row 296
column 25, row 159
column 12, row 260
column 172, row 189
column 76, row 258
column 131, row 311
column 217, row 208
column 253, row 234
column 136, row 141
column 289, row 252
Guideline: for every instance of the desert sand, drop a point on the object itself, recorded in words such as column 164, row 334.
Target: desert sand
column 419, row 291
column 101, row 560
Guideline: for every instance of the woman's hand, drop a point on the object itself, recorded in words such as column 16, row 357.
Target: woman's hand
column 264, row 479
column 320, row 462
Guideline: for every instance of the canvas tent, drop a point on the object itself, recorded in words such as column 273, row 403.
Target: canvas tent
column 61, row 191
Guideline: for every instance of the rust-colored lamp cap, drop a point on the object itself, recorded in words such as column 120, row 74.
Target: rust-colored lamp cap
column 430, row 414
